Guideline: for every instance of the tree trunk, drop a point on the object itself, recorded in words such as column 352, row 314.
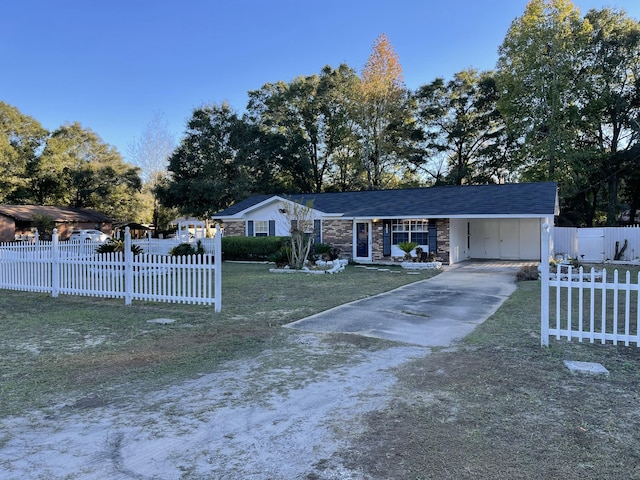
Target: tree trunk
column 612, row 204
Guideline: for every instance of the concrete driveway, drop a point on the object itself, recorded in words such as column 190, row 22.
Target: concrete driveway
column 437, row 312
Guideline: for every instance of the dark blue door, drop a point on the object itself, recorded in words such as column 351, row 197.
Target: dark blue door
column 362, row 240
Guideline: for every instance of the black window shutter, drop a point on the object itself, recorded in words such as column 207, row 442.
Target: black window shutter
column 250, row 228
column 386, row 238
column 433, row 237
column 272, row 228
column 317, row 231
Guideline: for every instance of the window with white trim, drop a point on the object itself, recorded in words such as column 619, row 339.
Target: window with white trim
column 410, row 231
column 261, row 228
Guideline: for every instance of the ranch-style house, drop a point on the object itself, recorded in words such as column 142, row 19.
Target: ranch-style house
column 17, row 221
column 455, row 223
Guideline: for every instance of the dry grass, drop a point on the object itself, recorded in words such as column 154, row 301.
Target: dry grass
column 52, row 348
column 502, row 407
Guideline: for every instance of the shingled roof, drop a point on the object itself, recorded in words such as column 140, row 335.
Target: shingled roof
column 514, row 199
column 59, row 214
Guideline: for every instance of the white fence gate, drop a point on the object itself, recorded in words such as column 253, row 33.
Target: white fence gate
column 76, row 269
column 593, row 306
column 597, row 245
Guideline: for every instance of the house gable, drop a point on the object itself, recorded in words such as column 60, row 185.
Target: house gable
column 270, row 212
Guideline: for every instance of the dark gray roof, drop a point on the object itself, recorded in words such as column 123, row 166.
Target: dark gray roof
column 59, row 214
column 512, row 199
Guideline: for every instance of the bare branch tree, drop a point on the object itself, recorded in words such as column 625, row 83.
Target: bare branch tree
column 300, row 217
column 151, row 152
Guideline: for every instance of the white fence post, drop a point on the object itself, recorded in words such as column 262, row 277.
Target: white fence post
column 128, row 267
column 544, row 285
column 217, row 273
column 55, row 263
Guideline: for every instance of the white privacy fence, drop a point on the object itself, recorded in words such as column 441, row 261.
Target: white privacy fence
column 76, row 269
column 159, row 246
column 597, row 245
column 593, row 305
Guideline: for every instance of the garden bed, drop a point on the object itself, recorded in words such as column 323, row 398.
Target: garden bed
column 421, row 265
column 320, row 267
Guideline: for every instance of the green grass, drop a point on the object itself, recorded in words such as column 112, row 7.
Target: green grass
column 71, row 346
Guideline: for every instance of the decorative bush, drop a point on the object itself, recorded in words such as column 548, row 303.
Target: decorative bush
column 529, row 272
column 281, row 257
column 187, row 249
column 252, row 248
column 113, row 245
column 325, row 251
column 406, row 247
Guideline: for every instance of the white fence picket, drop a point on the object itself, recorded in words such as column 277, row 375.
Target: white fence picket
column 607, row 312
column 76, row 269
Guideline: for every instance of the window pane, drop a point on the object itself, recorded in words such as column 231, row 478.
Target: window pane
column 399, row 237
column 261, row 228
column 422, row 238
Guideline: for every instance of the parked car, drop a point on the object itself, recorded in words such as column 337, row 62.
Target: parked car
column 88, row 235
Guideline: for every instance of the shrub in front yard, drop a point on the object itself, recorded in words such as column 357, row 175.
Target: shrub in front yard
column 252, row 248
column 187, row 249
column 117, row 246
column 325, row 251
column 529, row 272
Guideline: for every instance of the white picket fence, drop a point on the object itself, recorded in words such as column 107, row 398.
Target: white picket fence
column 588, row 305
column 76, row 269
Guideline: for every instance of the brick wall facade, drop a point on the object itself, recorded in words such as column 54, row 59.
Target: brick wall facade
column 235, row 228
column 377, row 245
column 442, row 240
column 339, row 233
column 443, row 244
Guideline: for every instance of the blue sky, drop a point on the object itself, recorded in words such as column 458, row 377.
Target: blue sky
column 111, row 65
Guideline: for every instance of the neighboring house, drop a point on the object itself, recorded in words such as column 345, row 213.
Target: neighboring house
column 454, row 222
column 16, row 221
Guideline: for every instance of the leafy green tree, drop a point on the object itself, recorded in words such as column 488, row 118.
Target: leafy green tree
column 286, row 114
column 310, row 123
column 44, row 224
column 78, row 169
column 208, row 170
column 461, row 121
column 21, row 140
column 338, row 89
column 536, row 75
column 611, row 100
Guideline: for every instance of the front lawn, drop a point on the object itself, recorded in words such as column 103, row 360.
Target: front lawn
column 72, row 346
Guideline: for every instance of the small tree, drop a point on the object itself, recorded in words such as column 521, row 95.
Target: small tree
column 300, row 217
column 43, row 223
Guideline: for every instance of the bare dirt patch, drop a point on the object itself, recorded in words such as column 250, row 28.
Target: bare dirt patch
column 281, row 415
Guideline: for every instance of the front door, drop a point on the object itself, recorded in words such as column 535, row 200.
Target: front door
column 362, row 240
